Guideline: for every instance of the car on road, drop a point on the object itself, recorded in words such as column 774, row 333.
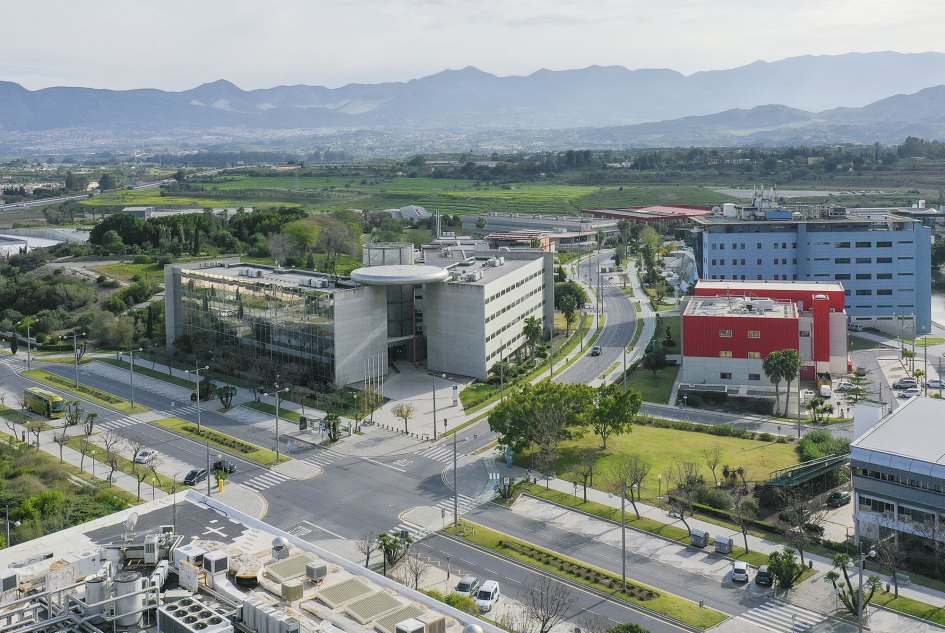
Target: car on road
column 195, row 476
column 905, row 383
column 225, row 465
column 839, row 498
column 845, row 386
column 911, row 392
column 468, row 586
column 854, row 327
column 739, row 571
column 935, row 383
column 764, row 577
column 145, row 455
column 597, row 350
column 487, row 596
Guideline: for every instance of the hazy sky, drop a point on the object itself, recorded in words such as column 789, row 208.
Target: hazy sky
column 175, row 45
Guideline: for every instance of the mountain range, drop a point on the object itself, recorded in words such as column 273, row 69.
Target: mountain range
column 852, row 97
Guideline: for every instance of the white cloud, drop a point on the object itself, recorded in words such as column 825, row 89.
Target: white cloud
column 173, row 44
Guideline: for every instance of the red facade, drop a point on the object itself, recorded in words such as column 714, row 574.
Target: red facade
column 803, row 295
column 702, row 335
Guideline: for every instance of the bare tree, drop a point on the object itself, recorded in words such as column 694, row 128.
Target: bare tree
column 744, row 513
column 892, row 554
column 61, row 439
column 140, row 474
column 405, row 411
column 367, row 545
column 415, row 568
column 34, row 429
column 110, row 441
column 687, row 478
column 713, row 457
column 800, row 522
column 586, row 467
column 85, row 447
column 135, row 443
column 628, row 472
column 594, row 623
column 20, row 399
column 90, row 418
column 546, row 602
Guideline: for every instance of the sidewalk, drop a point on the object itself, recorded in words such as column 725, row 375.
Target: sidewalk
column 806, row 595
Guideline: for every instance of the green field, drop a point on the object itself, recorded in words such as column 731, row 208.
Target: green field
column 445, row 195
column 664, row 447
column 152, row 273
column 653, row 387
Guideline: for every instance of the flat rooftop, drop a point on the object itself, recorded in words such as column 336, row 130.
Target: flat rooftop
column 735, row 306
column 735, row 287
column 487, row 264
column 857, row 218
column 911, row 433
column 348, row 596
column 656, row 213
column 255, row 273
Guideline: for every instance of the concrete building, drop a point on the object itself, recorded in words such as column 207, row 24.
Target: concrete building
column 728, row 328
column 898, row 469
column 460, row 310
column 496, row 222
column 882, row 259
column 658, row 214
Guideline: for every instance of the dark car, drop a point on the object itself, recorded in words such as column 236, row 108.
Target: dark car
column 597, row 350
column 764, row 578
column 225, row 465
column 195, row 476
column 839, row 498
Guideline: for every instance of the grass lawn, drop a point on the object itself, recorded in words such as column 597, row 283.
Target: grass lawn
column 663, row 447
column 21, row 418
column 657, row 305
column 643, row 524
column 923, row 341
column 265, row 407
column 151, row 373
column 665, row 603
column 859, row 342
column 126, row 466
column 911, row 607
column 85, row 391
column 152, row 273
column 654, row 387
column 221, row 441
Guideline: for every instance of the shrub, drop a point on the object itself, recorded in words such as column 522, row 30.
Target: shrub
column 714, row 497
column 766, row 437
column 143, row 259
column 694, row 400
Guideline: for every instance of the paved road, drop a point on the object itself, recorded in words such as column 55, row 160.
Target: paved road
column 514, row 580
column 619, row 325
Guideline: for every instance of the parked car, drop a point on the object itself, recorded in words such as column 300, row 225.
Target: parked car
column 488, row 595
column 195, row 476
column 905, row 383
column 935, row 383
column 845, row 386
column 739, row 571
column 145, row 455
column 597, row 350
column 468, row 586
column 839, row 498
column 911, row 392
column 825, row 391
column 764, row 577
column 225, row 465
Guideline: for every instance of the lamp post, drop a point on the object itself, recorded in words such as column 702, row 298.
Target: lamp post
column 75, row 353
column 433, row 378
column 27, row 322
column 278, row 394
column 196, row 372
column 131, row 352
column 15, row 523
column 455, row 488
column 623, row 530
column 859, row 599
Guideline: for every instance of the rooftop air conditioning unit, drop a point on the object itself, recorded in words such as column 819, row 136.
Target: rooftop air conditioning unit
column 216, row 562
column 316, row 571
column 410, row 625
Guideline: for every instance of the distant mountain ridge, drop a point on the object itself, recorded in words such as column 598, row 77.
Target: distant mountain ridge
column 833, row 97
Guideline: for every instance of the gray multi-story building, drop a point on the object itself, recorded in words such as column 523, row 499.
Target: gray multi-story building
column 898, row 468
column 460, row 310
column 883, row 260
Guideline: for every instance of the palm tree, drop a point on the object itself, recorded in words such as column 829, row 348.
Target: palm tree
column 532, row 331
column 774, row 370
column 790, row 364
column 569, row 311
column 623, row 226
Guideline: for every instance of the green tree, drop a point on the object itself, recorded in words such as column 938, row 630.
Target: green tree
column 14, row 343
column 839, row 578
column 773, row 369
column 612, row 411
column 569, row 311
column 481, row 223
column 859, row 389
column 654, row 361
column 569, row 288
column 532, row 331
column 790, row 363
column 785, row 568
column 107, row 181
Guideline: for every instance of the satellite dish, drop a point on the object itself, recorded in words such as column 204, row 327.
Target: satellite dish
column 130, row 524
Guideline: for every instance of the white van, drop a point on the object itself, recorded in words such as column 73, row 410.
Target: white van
column 854, row 327
column 488, row 595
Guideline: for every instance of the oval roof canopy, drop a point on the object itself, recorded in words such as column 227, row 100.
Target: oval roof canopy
column 399, row 275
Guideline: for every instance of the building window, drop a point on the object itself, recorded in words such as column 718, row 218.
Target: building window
column 841, row 260
column 754, row 376
column 841, row 244
column 759, row 263
column 725, row 375
column 804, row 333
column 759, row 246
column 884, row 291
column 754, row 333
column 754, row 354
column 714, row 262
column 864, row 276
column 864, row 260
column 883, row 244
column 725, row 333
column 725, row 354
column 884, row 275
column 864, row 293
column 864, row 244
column 884, row 260
column 842, row 276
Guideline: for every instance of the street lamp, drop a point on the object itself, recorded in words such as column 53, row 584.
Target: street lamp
column 28, row 346
column 278, row 394
column 75, row 353
column 15, row 524
column 623, row 530
column 659, row 483
column 196, row 372
column 859, row 599
column 433, row 378
column 455, row 488
column 132, row 369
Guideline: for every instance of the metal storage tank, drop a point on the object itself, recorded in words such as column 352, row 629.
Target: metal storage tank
column 96, row 590
column 128, row 607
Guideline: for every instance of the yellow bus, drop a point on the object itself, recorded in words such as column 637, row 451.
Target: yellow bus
column 44, row 402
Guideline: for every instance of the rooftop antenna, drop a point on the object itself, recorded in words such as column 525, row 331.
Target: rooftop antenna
column 130, row 524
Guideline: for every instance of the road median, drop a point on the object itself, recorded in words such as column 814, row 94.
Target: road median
column 221, row 441
column 92, row 394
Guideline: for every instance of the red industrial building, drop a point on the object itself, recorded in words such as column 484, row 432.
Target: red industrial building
column 728, row 327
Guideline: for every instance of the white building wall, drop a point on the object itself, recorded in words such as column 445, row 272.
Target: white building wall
column 360, row 330
column 453, row 324
column 698, row 370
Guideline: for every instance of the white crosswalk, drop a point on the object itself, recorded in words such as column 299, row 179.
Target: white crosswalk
column 321, row 458
column 464, row 504
column 179, row 408
column 780, row 616
column 416, row 532
column 116, row 424
column 442, row 453
column 266, row 480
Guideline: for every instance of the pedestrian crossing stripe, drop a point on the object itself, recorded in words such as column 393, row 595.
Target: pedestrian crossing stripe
column 780, row 616
column 265, row 481
column 118, row 423
column 439, row 453
column 414, row 531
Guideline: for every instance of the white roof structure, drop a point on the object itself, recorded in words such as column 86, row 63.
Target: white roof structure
column 399, row 275
column 910, row 437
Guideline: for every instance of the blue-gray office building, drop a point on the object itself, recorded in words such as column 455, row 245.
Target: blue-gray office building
column 882, row 259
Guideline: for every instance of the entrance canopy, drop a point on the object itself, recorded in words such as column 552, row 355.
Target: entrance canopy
column 399, row 275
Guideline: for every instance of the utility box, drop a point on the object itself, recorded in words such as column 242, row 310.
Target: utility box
column 723, row 544
column 700, row 538
column 292, row 590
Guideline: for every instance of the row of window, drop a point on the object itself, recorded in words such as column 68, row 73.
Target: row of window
column 512, row 287
column 910, row 515
column 515, row 303
column 728, row 354
column 525, row 313
column 923, row 484
column 868, row 244
column 727, row 375
column 759, row 246
column 783, row 245
column 751, row 333
column 758, row 277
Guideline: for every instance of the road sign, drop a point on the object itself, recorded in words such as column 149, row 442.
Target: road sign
column 495, row 488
